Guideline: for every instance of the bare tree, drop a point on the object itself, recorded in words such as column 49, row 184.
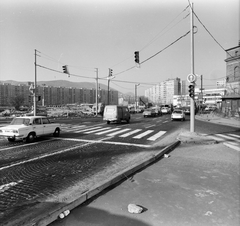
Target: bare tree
column 17, row 101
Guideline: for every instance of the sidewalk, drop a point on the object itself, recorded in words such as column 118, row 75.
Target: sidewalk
column 234, row 121
column 195, row 184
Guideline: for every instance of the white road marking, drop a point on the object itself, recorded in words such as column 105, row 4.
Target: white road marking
column 230, row 145
column 130, row 133
column 228, row 137
column 100, row 133
column 143, row 134
column 234, row 135
column 118, row 132
column 157, row 135
column 97, row 130
column 83, row 130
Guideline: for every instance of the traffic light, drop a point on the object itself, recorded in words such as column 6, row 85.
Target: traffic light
column 137, row 57
column 191, row 90
column 110, row 72
column 39, row 98
column 65, row 69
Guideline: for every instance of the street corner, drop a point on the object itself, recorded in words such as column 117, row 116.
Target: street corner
column 195, row 138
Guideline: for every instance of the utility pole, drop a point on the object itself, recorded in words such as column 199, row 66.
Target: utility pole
column 96, row 91
column 43, row 99
column 110, row 76
column 35, row 86
column 192, row 102
column 136, row 85
column 108, row 87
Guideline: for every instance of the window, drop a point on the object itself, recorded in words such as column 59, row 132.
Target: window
column 45, row 121
column 37, row 121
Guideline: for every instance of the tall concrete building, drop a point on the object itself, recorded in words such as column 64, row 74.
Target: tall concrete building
column 163, row 92
column 54, row 96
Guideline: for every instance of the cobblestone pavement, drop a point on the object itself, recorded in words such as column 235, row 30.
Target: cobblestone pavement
column 44, row 181
column 198, row 184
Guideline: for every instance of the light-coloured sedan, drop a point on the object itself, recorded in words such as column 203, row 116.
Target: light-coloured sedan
column 27, row 128
column 178, row 115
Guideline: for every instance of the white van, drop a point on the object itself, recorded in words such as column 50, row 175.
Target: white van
column 116, row 113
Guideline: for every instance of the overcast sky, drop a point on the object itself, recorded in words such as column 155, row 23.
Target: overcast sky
column 103, row 34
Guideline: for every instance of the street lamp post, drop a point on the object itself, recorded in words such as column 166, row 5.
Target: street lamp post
column 136, row 85
column 43, row 99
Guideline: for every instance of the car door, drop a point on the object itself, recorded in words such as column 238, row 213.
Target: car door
column 38, row 126
column 48, row 128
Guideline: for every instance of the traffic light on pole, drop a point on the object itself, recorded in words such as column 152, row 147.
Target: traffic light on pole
column 110, row 72
column 137, row 57
column 191, row 90
column 65, row 69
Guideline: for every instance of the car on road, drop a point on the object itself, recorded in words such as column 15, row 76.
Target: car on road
column 186, row 110
column 149, row 112
column 165, row 110
column 27, row 128
column 157, row 110
column 116, row 113
column 178, row 115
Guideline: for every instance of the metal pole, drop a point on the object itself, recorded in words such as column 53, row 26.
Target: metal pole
column 35, row 86
column 135, row 98
column 192, row 105
column 43, row 100
column 108, row 85
column 96, row 91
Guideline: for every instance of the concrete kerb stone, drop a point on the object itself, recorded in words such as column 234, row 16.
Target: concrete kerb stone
column 196, row 138
column 53, row 215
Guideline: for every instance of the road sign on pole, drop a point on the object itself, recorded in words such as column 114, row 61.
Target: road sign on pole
column 191, row 78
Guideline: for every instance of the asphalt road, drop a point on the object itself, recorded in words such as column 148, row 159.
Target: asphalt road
column 40, row 172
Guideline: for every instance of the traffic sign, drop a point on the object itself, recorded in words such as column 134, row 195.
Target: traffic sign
column 192, row 78
column 31, row 88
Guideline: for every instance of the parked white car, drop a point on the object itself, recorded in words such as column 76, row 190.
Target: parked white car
column 178, row 115
column 27, row 128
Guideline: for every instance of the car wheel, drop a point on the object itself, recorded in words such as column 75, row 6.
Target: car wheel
column 108, row 122
column 128, row 120
column 56, row 132
column 11, row 139
column 30, row 138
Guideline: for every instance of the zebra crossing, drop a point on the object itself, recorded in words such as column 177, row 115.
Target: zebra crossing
column 229, row 139
column 113, row 132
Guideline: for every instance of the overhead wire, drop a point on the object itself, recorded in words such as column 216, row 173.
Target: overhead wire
column 157, row 36
column 208, row 30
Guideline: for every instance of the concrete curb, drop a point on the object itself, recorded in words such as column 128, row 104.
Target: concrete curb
column 44, row 220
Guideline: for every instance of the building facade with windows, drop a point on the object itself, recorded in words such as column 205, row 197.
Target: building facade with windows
column 54, row 96
column 163, row 92
column 231, row 100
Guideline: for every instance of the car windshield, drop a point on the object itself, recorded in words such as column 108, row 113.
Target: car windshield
column 20, row 121
column 177, row 112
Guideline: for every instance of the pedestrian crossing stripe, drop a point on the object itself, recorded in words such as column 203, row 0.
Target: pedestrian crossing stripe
column 118, row 132
column 143, row 134
column 234, row 135
column 97, row 130
column 157, row 135
column 130, row 133
column 100, row 133
column 228, row 137
column 111, row 132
